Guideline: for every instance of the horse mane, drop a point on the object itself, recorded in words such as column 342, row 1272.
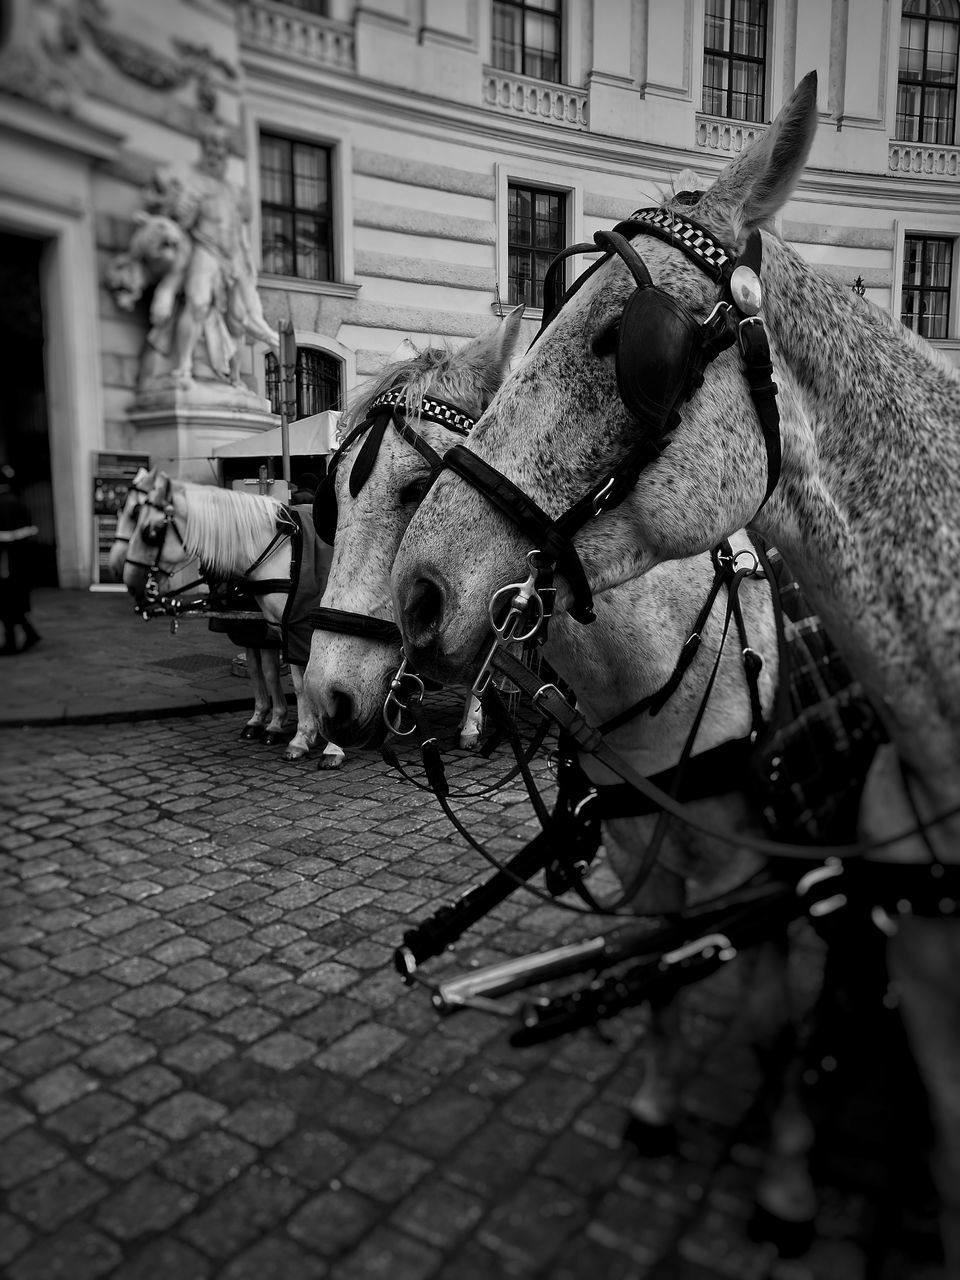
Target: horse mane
column 441, row 370
column 227, row 530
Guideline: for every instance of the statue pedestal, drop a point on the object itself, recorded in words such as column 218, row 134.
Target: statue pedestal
column 180, row 427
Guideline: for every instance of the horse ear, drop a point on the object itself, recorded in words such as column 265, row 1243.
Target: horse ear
column 757, row 184
column 493, row 352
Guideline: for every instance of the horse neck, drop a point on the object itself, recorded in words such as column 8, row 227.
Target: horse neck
column 226, row 531
column 633, row 648
column 866, row 511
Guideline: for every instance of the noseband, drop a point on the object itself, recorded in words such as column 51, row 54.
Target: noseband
column 662, row 351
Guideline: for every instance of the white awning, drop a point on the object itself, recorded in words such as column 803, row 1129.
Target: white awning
column 314, row 435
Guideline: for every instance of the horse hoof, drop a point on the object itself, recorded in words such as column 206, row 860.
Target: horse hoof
column 295, row 753
column 252, row 733
column 470, row 744
column 274, row 737
column 650, row 1139
column 791, row 1238
column 330, row 762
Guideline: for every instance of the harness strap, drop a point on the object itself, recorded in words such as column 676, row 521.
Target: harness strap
column 712, row 772
column 346, row 623
column 552, row 543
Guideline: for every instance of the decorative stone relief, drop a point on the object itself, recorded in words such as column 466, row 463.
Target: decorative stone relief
column 38, row 60
column 191, row 247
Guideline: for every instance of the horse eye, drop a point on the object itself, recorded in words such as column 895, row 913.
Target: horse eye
column 605, row 343
column 414, row 491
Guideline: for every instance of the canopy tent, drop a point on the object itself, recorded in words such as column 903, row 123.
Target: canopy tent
column 308, row 436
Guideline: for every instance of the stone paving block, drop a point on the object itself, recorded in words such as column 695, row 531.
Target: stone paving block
column 14, row 1238
column 90, row 1118
column 441, row 1122
column 334, row 1221
column 387, row 1254
column 26, row 1154
column 548, row 1103
column 361, row 1050
column 171, row 1025
column 534, row 1224
column 196, row 1054
column 495, row 1158
column 208, row 1161
column 39, row 1054
column 312, row 1157
column 440, row 1213
column 88, row 992
column 76, row 1253
column 330, row 977
column 56, row 1088
column 183, row 1114
column 261, row 1121
column 96, row 1025
column 241, row 1212
column 33, row 983
column 144, row 1206
column 57, row 1195
column 179, row 950
column 136, row 971
column 125, row 1152
column 283, row 1051
column 290, row 999
column 218, row 999
column 118, row 1055
column 386, row 1171
column 165, row 1259
column 248, row 1024
column 27, row 1020
column 274, row 1256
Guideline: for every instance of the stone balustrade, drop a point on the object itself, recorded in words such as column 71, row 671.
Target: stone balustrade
column 714, row 133
column 302, row 36
column 533, row 99
column 916, row 158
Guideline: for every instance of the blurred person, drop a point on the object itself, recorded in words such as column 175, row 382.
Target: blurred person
column 305, row 490
column 16, row 528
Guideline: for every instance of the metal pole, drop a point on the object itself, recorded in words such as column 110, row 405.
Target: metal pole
column 288, row 389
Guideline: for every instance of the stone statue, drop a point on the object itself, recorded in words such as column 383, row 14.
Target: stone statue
column 192, row 243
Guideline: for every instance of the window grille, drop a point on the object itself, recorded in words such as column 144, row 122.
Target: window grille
column 734, row 59
column 526, row 38
column 295, row 208
column 318, row 382
column 536, row 221
column 927, row 281
column 927, row 79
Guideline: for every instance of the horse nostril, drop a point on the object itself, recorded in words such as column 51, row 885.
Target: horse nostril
column 424, row 610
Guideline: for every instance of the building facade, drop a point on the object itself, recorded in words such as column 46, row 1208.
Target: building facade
column 411, row 167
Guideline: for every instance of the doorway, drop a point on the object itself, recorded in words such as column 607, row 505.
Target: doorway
column 24, row 430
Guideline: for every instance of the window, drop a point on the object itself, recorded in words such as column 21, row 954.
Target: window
column 318, row 382
column 927, row 81
column 927, row 276
column 526, row 37
column 317, row 7
column 734, row 54
column 536, row 220
column 295, row 215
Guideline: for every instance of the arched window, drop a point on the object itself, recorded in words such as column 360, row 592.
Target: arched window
column 927, row 81
column 318, row 381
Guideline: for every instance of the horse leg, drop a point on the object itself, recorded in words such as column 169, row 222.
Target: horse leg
column 924, row 960
column 651, row 1125
column 786, row 1200
column 332, row 758
column 471, row 725
column 255, row 728
column 306, row 735
column 278, row 699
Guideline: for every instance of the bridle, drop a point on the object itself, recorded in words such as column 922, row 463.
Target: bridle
column 390, row 409
column 662, row 352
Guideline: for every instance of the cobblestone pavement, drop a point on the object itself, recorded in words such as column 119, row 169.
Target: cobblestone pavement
column 211, row 1068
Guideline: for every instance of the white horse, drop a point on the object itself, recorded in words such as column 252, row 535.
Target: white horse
column 867, row 508
column 228, row 533
column 263, row 665
column 628, row 654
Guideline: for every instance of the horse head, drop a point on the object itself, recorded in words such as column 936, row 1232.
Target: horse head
column 633, row 395
column 156, row 548
column 127, row 517
column 371, row 491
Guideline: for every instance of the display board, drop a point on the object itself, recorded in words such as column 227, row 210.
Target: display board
column 113, row 473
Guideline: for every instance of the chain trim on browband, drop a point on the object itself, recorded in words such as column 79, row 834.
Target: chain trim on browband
column 685, row 235
column 446, row 415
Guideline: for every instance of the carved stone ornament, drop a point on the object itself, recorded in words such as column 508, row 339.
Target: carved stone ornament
column 38, row 59
column 190, row 249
